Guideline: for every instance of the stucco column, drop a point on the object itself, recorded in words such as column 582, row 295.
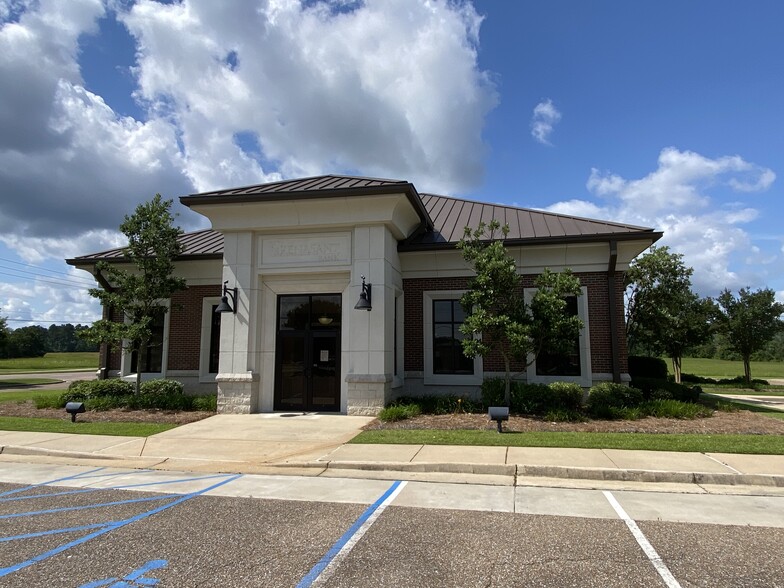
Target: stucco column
column 371, row 334
column 238, row 383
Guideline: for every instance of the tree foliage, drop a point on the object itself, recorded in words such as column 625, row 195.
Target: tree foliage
column 663, row 315
column 139, row 293
column 497, row 316
column 748, row 322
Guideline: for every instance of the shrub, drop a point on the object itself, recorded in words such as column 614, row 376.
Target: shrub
column 609, row 400
column 647, row 367
column 564, row 416
column 675, row 409
column 532, row 399
column 49, row 401
column 97, row 388
column 433, row 404
column 161, row 387
column 206, row 403
column 399, row 412
column 567, row 395
column 665, row 390
column 106, row 402
column 493, row 392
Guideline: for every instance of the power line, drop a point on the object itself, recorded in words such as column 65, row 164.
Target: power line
column 55, row 281
column 43, row 269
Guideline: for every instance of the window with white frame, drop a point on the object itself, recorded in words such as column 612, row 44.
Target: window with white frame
column 575, row 365
column 155, row 355
column 444, row 360
column 210, row 339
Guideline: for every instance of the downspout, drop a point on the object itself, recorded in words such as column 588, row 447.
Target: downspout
column 614, row 347
column 103, row 361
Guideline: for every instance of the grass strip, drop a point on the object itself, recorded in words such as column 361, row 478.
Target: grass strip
column 24, row 395
column 64, row 425
column 86, row 360
column 10, row 383
column 759, row 444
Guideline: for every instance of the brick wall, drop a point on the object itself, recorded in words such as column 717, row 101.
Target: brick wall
column 185, row 326
column 598, row 320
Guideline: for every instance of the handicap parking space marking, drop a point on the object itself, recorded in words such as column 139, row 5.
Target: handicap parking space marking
column 326, row 566
column 135, row 578
column 102, row 528
column 50, row 482
column 102, row 488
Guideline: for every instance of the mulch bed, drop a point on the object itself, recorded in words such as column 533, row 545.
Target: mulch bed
column 28, row 409
column 721, row 423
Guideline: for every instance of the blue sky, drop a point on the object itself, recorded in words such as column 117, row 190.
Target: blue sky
column 664, row 114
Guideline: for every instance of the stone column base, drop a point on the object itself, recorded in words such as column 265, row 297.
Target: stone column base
column 238, row 393
column 368, row 393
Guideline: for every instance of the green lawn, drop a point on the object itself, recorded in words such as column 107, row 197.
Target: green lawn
column 760, row 444
column 64, row 425
column 24, row 395
column 10, row 383
column 719, row 368
column 50, row 362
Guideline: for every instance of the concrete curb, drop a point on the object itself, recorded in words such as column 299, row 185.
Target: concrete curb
column 23, row 450
column 516, row 473
column 652, row 476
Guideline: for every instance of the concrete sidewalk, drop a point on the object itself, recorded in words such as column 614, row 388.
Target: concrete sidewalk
column 316, row 445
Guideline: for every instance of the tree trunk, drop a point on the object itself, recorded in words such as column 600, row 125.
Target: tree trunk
column 676, row 368
column 140, row 367
column 507, row 382
column 747, row 369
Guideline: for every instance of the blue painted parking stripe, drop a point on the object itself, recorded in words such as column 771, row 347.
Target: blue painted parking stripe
column 39, row 558
column 354, row 533
column 75, row 476
column 55, row 532
column 17, row 515
column 120, row 487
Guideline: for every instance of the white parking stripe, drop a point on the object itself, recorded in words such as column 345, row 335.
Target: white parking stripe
column 647, row 548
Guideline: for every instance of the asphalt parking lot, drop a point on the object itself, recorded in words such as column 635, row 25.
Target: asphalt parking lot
column 100, row 527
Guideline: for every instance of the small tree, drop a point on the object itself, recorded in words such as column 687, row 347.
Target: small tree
column 139, row 294
column 497, row 316
column 3, row 335
column 748, row 322
column 663, row 315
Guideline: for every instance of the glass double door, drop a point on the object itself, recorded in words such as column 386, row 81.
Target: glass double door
column 307, row 366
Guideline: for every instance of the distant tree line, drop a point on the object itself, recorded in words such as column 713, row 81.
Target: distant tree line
column 36, row 341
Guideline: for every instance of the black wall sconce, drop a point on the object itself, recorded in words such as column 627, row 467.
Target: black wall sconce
column 364, row 297
column 224, row 305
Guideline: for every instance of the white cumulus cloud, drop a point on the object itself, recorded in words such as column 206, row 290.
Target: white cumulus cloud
column 676, row 198
column 543, row 122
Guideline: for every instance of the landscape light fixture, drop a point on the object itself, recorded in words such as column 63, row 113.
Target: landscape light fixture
column 74, row 408
column 224, row 305
column 364, row 297
column 498, row 414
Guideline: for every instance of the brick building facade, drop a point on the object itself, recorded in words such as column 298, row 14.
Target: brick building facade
column 293, row 257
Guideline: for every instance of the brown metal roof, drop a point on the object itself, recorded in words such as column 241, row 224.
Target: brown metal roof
column 312, row 184
column 443, row 217
column 451, row 216
column 329, row 186
column 205, row 244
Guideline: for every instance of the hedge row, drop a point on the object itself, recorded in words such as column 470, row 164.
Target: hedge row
column 154, row 394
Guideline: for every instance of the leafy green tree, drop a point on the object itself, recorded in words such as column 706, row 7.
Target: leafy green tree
column 3, row 335
column 139, row 293
column 663, row 315
column 27, row 342
column 748, row 322
column 497, row 316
